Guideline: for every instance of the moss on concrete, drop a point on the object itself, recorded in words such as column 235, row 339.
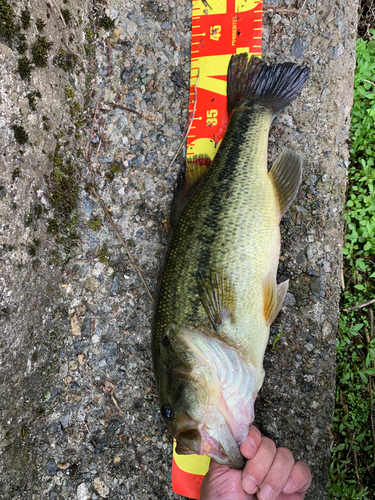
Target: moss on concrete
column 64, row 198
column 25, row 19
column 20, row 134
column 46, row 125
column 95, row 224
column 40, row 50
column 24, row 67
column 31, row 97
column 66, row 15
column 69, row 92
column 8, row 27
column 22, row 47
column 75, row 109
column 15, row 174
column 65, row 60
column 106, row 22
column 89, row 35
column 104, row 254
column 40, row 24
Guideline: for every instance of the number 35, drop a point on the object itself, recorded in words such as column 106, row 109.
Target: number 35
column 211, row 117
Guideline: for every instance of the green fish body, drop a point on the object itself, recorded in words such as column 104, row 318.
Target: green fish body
column 218, row 293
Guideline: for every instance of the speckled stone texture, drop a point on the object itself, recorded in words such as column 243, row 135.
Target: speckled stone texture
column 79, row 410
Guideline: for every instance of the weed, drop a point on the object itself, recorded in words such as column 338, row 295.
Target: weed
column 115, row 169
column 75, row 109
column 65, row 60
column 89, row 35
column 31, row 96
column 46, row 125
column 20, row 134
column 40, row 24
column 64, row 198
column 22, row 47
column 39, row 50
column 16, row 173
column 25, row 19
column 106, row 22
column 69, row 92
column 66, row 15
column 8, row 27
column 104, row 254
column 353, row 456
column 95, row 224
column 24, row 67
column 275, row 345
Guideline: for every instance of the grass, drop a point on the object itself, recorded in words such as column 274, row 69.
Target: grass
column 353, row 455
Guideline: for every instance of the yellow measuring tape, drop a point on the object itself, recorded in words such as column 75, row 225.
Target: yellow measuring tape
column 220, row 28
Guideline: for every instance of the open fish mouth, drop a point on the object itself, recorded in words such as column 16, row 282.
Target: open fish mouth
column 215, row 441
column 225, row 386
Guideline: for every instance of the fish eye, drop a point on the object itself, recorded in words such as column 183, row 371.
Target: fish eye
column 167, row 412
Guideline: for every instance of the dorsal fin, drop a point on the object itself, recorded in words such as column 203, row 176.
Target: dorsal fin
column 188, row 179
column 274, row 296
column 217, row 295
column 286, row 175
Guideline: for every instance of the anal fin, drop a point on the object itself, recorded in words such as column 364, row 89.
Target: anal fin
column 286, row 175
column 274, row 296
column 217, row 295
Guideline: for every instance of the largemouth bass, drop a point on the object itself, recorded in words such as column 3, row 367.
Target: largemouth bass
column 218, row 294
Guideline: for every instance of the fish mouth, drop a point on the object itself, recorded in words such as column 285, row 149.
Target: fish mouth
column 215, row 440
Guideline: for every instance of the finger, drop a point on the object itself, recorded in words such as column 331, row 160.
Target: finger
column 277, row 476
column 251, row 443
column 299, row 479
column 256, row 468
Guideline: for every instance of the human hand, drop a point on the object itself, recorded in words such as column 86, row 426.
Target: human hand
column 270, row 473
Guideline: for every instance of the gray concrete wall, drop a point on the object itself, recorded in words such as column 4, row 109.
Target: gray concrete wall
column 74, row 315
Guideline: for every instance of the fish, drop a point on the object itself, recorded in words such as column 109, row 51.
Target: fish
column 218, row 293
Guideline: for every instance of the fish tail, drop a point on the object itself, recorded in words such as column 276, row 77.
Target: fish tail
column 252, row 81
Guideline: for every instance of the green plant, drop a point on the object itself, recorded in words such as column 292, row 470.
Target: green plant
column 8, row 27
column 106, row 22
column 40, row 24
column 39, row 50
column 24, row 67
column 65, row 60
column 104, row 254
column 25, row 19
column 20, row 134
column 353, row 456
column 66, row 15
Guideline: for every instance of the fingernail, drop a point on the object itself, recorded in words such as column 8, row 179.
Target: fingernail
column 289, row 486
column 249, row 484
column 266, row 493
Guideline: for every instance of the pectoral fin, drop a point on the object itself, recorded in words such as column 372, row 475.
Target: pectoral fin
column 286, row 175
column 274, row 296
column 217, row 295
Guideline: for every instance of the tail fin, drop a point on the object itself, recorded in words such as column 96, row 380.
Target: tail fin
column 252, row 80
